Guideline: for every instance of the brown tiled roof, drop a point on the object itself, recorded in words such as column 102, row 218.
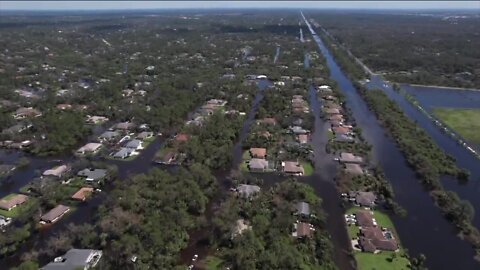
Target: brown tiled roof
column 377, row 239
column 364, row 218
column 55, row 213
column 293, row 167
column 13, row 201
column 258, row 152
column 181, row 137
column 82, row 193
column 303, row 229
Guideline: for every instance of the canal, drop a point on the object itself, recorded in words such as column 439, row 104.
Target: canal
column 424, row 230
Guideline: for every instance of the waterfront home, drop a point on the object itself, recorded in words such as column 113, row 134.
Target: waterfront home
column 240, row 226
column 55, row 214
column 337, row 117
column 335, row 123
column 95, row 119
column 292, row 167
column 25, row 112
column 363, row 198
column 135, row 144
column 258, row 165
column 258, row 153
column 374, row 240
column 75, row 259
column 364, row 218
column 57, row 171
column 108, row 136
column 123, row 153
column 343, row 138
column 303, row 230
column 302, row 138
column 332, row 111
column 168, row 158
column 12, row 201
column 145, row 135
column 353, row 169
column 93, row 175
column 18, row 128
column 82, row 193
column 247, row 191
column 89, row 148
column 341, row 130
column 346, row 157
column 324, row 87
column 303, row 209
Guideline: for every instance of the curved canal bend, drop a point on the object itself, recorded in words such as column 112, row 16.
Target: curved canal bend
column 424, row 230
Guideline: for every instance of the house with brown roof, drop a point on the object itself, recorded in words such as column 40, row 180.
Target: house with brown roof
column 25, row 112
column 341, row 130
column 364, row 198
column 82, row 193
column 182, row 137
column 124, row 126
column 12, row 201
column 55, row 214
column 332, row 111
column 353, row 169
column 302, row 138
column 302, row 230
column 258, row 152
column 337, row 117
column 346, row 157
column 292, row 167
column 373, row 239
column 365, row 219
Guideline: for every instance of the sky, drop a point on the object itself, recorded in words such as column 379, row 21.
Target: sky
column 126, row 5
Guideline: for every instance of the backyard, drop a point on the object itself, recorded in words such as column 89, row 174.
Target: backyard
column 466, row 122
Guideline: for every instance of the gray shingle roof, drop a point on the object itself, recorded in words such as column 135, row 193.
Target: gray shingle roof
column 95, row 174
column 303, row 208
column 75, row 259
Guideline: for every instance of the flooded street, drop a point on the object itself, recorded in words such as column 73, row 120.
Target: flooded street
column 424, row 230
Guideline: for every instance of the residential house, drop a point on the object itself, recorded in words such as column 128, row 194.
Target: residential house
column 341, row 130
column 64, row 106
column 303, row 230
column 13, row 201
column 353, row 169
column 123, row 153
column 82, row 193
column 108, row 136
column 332, row 111
column 374, row 240
column 55, row 214
column 89, row 148
column 18, row 128
column 302, row 138
column 292, row 167
column 343, row 138
column 168, row 158
column 93, row 175
column 364, row 198
column 124, row 126
column 57, row 171
column 182, row 137
column 299, row 130
column 135, row 144
column 75, row 259
column 258, row 152
column 303, row 209
column 144, row 135
column 346, row 157
column 337, row 117
column 96, row 119
column 258, row 164
column 365, row 219
column 24, row 112
column 247, row 191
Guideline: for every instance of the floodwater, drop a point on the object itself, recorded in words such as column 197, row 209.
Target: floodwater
column 464, row 159
column 322, row 181
column 424, row 230
column 431, row 97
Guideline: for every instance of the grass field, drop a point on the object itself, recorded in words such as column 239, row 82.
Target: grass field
column 308, row 167
column 465, row 122
column 213, row 263
column 382, row 260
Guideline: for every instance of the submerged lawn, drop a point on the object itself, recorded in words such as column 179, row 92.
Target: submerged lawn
column 464, row 121
column 307, row 167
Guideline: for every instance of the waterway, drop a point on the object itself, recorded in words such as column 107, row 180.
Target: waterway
column 424, row 230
